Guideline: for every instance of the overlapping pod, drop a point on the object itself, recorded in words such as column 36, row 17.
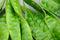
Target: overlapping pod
column 53, row 23
column 35, row 6
column 13, row 23
column 40, row 31
column 51, row 6
column 54, row 26
column 26, row 31
column 3, row 27
column 49, row 26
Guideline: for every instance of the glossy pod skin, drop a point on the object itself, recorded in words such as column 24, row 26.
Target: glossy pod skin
column 52, row 7
column 3, row 27
column 13, row 23
column 26, row 31
column 40, row 30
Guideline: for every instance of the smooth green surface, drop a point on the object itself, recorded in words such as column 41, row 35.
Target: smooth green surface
column 38, row 27
column 43, row 28
column 21, row 23
column 3, row 28
column 13, row 23
column 26, row 32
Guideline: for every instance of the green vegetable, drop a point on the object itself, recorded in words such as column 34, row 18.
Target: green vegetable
column 26, row 32
column 38, row 26
column 20, row 23
column 3, row 28
column 51, row 6
column 13, row 23
column 54, row 26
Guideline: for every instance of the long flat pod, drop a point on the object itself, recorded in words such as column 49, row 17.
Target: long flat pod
column 26, row 32
column 13, row 23
column 51, row 6
column 39, row 29
column 3, row 28
column 53, row 25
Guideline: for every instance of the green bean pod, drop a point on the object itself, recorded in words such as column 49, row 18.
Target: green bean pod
column 3, row 27
column 51, row 6
column 13, row 23
column 54, row 25
column 26, row 32
column 40, row 31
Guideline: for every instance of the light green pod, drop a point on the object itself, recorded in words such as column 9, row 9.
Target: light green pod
column 13, row 23
column 3, row 27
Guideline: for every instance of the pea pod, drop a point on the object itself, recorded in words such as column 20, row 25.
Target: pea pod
column 26, row 32
column 49, row 6
column 51, row 20
column 40, row 30
column 53, row 25
column 3, row 27
column 13, row 23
